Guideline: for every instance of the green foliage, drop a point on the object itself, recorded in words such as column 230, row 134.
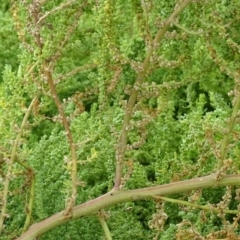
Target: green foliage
column 89, row 56
column 9, row 48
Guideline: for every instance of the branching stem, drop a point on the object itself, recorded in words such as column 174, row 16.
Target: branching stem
column 194, row 205
column 47, row 66
column 64, row 5
column 116, row 197
column 188, row 31
column 226, row 138
column 58, row 103
column 122, row 145
column 11, row 161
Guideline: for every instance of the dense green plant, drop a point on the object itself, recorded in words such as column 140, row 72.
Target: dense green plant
column 119, row 120
column 9, row 47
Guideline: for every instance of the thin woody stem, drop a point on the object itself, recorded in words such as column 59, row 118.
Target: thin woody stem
column 198, row 206
column 227, row 136
column 46, row 70
column 122, row 145
column 10, row 164
column 101, row 218
column 58, row 103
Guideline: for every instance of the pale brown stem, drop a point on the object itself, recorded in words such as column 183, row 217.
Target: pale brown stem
column 47, row 71
column 72, row 199
column 122, row 145
column 113, row 198
column 227, row 137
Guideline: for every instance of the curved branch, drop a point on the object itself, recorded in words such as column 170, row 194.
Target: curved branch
column 194, row 205
column 11, row 161
column 200, row 32
column 116, row 197
column 55, row 10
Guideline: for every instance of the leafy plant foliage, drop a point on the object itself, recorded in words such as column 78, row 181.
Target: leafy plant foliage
column 119, row 119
